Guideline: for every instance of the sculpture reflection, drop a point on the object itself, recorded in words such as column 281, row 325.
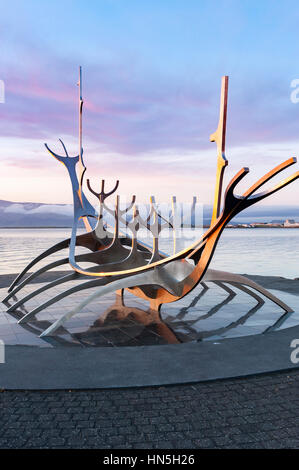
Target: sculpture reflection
column 122, row 324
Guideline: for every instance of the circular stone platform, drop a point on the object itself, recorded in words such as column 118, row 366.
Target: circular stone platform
column 213, row 335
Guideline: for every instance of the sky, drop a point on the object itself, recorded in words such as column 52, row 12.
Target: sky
column 151, row 84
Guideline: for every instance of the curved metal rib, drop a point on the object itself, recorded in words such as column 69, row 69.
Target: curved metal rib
column 237, row 280
column 144, row 278
column 53, row 249
column 264, row 179
column 33, row 276
column 80, row 241
column 85, row 285
column 135, row 259
column 151, row 277
column 54, row 264
column 49, row 285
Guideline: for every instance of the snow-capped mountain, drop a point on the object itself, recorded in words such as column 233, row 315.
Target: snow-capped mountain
column 32, row 214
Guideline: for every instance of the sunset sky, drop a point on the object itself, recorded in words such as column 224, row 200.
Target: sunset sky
column 151, row 82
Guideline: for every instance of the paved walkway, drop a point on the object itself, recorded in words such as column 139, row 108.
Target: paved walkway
column 256, row 412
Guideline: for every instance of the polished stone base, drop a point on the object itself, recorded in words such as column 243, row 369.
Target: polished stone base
column 31, row 367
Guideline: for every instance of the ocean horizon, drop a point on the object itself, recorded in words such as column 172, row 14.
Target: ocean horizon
column 262, row 251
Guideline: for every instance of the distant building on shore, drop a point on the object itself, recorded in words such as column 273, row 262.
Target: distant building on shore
column 266, row 224
column 290, row 223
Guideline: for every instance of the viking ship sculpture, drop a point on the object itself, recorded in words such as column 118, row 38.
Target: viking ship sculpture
column 124, row 262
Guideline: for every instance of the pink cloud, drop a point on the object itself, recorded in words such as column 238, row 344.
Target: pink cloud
column 131, row 114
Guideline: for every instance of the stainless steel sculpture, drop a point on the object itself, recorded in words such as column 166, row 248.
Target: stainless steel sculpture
column 120, row 263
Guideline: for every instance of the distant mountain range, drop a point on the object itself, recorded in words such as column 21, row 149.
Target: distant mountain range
column 33, row 214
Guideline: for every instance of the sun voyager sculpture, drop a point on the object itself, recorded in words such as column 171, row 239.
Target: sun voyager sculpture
column 124, row 262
